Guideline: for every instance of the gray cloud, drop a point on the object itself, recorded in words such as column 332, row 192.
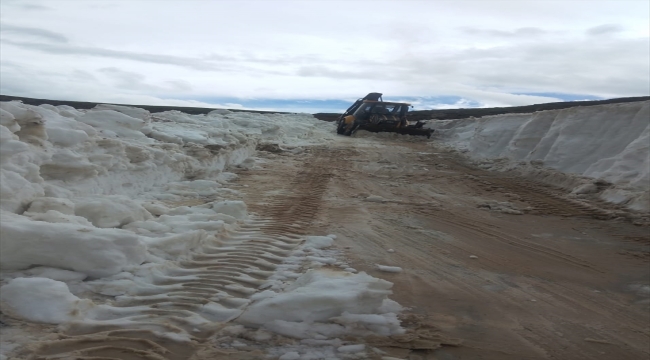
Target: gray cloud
column 83, row 76
column 34, row 7
column 65, row 49
column 605, row 68
column 605, row 29
column 273, row 50
column 517, row 33
column 325, row 71
column 31, row 31
column 179, row 85
column 136, row 82
column 125, row 79
column 213, row 62
column 69, row 86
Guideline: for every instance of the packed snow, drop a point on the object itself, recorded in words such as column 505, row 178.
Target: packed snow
column 42, row 300
column 100, row 206
column 391, row 269
column 608, row 143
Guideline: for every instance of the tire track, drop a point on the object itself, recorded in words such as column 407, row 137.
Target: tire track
column 184, row 303
column 181, row 305
column 544, row 199
column 457, row 220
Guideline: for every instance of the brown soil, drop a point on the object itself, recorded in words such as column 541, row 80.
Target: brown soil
column 557, row 282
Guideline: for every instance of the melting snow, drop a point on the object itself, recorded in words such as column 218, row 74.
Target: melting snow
column 392, row 269
column 609, row 142
column 92, row 202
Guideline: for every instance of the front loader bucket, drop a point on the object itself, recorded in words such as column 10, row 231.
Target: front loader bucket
column 409, row 130
column 415, row 131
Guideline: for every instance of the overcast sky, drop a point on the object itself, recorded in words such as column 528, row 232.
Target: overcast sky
column 317, row 55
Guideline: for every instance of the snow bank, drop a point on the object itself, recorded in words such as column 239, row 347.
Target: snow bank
column 62, row 152
column 609, row 142
column 326, row 303
column 92, row 251
column 65, row 173
column 42, row 300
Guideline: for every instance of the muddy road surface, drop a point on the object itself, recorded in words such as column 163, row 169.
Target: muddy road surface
column 504, row 267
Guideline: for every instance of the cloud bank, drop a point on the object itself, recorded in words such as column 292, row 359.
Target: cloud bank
column 480, row 53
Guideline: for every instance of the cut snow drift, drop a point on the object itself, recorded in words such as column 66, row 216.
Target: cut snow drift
column 609, row 142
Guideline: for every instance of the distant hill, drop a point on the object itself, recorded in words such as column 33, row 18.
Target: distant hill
column 150, row 108
column 478, row 112
column 413, row 115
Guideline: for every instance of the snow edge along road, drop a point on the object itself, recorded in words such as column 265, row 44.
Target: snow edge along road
column 174, row 257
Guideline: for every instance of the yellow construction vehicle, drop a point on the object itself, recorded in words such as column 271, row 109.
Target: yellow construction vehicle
column 371, row 113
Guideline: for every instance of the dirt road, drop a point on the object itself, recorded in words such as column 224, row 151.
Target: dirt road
column 493, row 266
column 556, row 282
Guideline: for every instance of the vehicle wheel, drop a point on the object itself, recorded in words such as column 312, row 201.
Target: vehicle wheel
column 341, row 128
column 352, row 130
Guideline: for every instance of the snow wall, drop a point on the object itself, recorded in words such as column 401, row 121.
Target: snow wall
column 63, row 170
column 63, row 152
column 606, row 142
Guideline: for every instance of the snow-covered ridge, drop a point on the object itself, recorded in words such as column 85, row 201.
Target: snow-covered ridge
column 609, row 142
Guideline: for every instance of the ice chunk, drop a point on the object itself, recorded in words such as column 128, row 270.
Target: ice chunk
column 234, row 208
column 64, row 131
column 318, row 296
column 67, row 165
column 149, row 225
column 42, row 300
column 155, row 208
column 318, row 242
column 324, row 260
column 110, row 211
column 114, row 124
column 44, row 204
column 92, row 251
column 23, row 114
column 173, row 247
column 392, row 269
column 375, row 198
column 53, row 216
column 56, row 274
column 10, row 144
column 351, row 348
column 16, row 191
column 8, row 120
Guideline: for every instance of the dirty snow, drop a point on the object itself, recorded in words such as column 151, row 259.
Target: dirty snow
column 609, row 142
column 391, row 269
column 97, row 205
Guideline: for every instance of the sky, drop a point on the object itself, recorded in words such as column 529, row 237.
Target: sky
column 320, row 55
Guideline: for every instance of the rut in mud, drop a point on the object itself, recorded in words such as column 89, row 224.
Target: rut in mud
column 552, row 282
